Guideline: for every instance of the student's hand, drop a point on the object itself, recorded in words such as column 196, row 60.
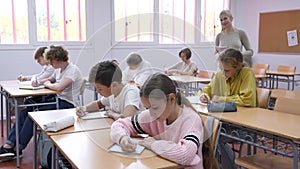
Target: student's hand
column 128, row 144
column 173, row 71
column 22, row 78
column 147, row 142
column 112, row 114
column 80, row 111
column 204, row 98
column 215, row 98
column 35, row 83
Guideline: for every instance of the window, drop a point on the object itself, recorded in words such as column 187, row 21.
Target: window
column 55, row 20
column 167, row 21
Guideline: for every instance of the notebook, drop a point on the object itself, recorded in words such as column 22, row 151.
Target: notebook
column 94, row 115
column 117, row 149
column 31, row 87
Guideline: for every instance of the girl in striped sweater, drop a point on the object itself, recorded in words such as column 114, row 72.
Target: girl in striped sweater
column 175, row 130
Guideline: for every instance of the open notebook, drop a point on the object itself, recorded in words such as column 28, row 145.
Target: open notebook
column 29, row 87
column 117, row 149
column 94, row 115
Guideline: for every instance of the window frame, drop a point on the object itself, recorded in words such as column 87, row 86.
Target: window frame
column 32, row 28
column 155, row 41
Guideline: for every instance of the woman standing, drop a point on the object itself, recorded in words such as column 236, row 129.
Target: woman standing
column 232, row 37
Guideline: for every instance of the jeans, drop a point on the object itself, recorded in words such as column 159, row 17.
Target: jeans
column 26, row 124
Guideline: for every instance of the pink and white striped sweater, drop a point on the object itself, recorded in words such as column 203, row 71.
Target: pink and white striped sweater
column 180, row 141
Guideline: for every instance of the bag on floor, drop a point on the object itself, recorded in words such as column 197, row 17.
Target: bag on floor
column 226, row 155
column 44, row 146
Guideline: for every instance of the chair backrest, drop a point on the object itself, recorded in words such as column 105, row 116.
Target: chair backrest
column 287, row 105
column 213, row 126
column 285, row 93
column 283, row 68
column 261, row 66
column 203, row 74
column 263, row 95
column 81, row 91
column 259, row 71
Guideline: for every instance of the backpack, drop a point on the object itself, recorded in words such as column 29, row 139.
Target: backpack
column 44, row 146
column 225, row 154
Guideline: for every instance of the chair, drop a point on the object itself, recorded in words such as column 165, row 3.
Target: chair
column 275, row 93
column 261, row 66
column 260, row 73
column 263, row 95
column 213, row 126
column 264, row 161
column 81, row 92
column 287, row 105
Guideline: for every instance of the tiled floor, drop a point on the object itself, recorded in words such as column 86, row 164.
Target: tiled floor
column 25, row 163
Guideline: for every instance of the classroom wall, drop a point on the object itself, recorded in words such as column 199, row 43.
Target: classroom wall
column 99, row 46
column 246, row 16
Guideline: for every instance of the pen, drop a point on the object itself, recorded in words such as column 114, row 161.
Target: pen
column 36, row 81
column 79, row 100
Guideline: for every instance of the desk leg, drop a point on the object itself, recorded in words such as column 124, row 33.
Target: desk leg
column 17, row 132
column 34, row 146
column 57, row 103
column 2, row 131
column 8, row 116
column 53, row 157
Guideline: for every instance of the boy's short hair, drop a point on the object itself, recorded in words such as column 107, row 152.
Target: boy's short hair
column 39, row 52
column 105, row 73
column 134, row 59
column 59, row 53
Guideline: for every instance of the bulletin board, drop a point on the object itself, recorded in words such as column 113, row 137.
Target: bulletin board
column 274, row 30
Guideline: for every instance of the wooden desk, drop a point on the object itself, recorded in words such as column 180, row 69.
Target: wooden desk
column 89, row 150
column 10, row 90
column 42, row 117
column 263, row 123
column 189, row 83
column 274, row 76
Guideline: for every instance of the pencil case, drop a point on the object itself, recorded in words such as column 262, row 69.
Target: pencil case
column 221, row 107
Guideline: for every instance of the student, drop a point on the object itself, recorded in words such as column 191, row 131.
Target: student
column 66, row 79
column 122, row 100
column 235, row 82
column 186, row 67
column 137, row 70
column 175, row 129
column 232, row 37
column 47, row 70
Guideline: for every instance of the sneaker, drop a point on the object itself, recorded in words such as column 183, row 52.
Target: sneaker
column 6, row 152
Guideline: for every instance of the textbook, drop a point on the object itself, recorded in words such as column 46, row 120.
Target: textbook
column 94, row 115
column 31, row 87
column 117, row 149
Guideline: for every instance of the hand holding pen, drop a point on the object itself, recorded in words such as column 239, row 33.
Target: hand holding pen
column 204, row 98
column 21, row 77
column 127, row 143
column 35, row 82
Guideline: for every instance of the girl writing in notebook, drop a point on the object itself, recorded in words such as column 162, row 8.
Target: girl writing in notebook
column 175, row 129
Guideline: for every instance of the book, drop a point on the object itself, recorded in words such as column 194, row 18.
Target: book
column 31, row 87
column 118, row 149
column 94, row 115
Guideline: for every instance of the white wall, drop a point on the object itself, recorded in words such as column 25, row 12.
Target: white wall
column 99, row 46
column 246, row 16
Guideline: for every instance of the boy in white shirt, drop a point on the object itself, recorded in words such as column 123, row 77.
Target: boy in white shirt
column 122, row 99
column 137, row 70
